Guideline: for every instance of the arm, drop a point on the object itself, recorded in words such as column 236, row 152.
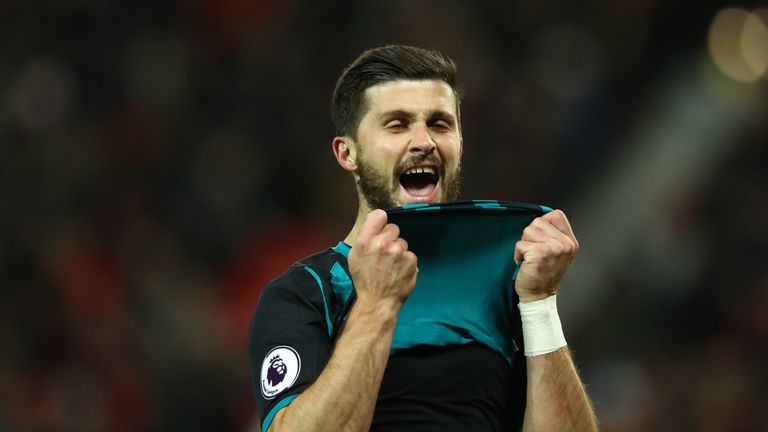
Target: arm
column 555, row 400
column 344, row 395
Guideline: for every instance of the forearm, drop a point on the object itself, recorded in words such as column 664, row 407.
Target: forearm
column 344, row 395
column 556, row 398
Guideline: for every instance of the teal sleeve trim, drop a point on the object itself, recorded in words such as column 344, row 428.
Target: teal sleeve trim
column 278, row 406
column 325, row 303
column 436, row 208
column 341, row 283
column 545, row 209
column 417, row 205
column 342, row 248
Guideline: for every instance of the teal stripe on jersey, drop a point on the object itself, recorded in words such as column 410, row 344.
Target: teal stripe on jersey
column 278, row 406
column 411, row 206
column 325, row 303
column 342, row 248
column 341, row 286
column 487, row 204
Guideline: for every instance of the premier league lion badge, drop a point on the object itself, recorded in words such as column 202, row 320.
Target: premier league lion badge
column 279, row 370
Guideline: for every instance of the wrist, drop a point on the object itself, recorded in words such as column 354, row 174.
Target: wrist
column 542, row 330
column 530, row 298
column 382, row 312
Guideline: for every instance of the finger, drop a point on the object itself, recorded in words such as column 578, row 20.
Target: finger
column 390, row 232
column 395, row 248
column 533, row 233
column 372, row 225
column 521, row 248
column 531, row 251
column 403, row 243
column 412, row 258
column 560, row 221
column 551, row 231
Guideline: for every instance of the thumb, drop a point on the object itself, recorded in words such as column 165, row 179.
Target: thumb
column 521, row 247
column 373, row 224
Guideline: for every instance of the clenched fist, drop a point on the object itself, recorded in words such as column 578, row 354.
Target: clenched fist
column 545, row 250
column 381, row 266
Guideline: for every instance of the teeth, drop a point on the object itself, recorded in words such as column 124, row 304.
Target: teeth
column 420, row 170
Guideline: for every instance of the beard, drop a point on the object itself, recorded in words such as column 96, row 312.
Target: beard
column 381, row 192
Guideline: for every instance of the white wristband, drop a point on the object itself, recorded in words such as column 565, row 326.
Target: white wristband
column 542, row 331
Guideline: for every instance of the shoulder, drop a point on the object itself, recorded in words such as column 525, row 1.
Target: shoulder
column 298, row 296
column 302, row 279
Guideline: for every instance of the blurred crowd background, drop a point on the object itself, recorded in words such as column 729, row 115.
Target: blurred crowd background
column 161, row 161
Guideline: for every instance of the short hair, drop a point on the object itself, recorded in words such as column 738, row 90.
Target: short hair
column 381, row 65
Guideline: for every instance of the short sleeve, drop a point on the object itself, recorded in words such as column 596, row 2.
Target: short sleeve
column 290, row 339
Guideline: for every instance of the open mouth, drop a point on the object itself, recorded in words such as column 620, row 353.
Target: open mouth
column 420, row 182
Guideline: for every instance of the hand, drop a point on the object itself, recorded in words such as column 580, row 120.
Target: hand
column 545, row 250
column 380, row 263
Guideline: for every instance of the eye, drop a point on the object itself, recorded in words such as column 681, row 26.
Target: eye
column 441, row 125
column 395, row 125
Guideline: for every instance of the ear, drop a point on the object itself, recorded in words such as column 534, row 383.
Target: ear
column 345, row 152
column 461, row 147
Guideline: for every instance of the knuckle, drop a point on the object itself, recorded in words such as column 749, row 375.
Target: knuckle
column 363, row 243
column 396, row 248
column 555, row 249
column 411, row 257
column 378, row 244
column 391, row 230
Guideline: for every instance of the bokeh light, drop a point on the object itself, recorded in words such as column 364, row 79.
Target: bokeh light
column 738, row 44
column 754, row 44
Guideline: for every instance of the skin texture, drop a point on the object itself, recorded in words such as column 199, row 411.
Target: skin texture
column 556, row 400
column 414, row 123
column 408, row 123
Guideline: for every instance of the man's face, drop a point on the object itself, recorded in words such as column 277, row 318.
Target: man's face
column 408, row 144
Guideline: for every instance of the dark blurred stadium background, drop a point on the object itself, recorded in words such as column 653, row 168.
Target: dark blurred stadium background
column 159, row 162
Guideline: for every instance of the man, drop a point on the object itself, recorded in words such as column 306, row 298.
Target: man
column 322, row 332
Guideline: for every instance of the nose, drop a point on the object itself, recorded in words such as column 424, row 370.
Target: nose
column 422, row 142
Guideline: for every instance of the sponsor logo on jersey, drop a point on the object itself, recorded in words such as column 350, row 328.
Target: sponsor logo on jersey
column 279, row 370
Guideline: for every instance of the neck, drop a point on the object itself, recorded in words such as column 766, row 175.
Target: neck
column 362, row 212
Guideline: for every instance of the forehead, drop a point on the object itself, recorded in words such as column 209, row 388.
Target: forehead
column 411, row 95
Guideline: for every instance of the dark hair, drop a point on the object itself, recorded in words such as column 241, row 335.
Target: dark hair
column 381, row 65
